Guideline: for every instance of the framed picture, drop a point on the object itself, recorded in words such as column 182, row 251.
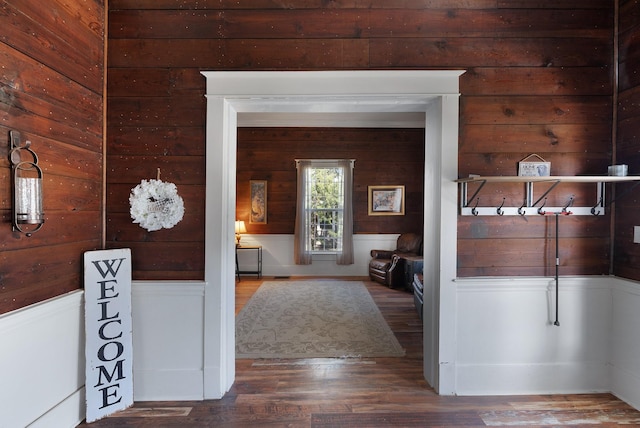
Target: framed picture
column 538, row 168
column 386, row 200
column 258, row 202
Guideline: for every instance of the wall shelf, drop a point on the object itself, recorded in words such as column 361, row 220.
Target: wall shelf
column 531, row 206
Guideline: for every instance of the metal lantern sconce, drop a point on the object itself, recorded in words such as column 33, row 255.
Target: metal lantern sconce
column 27, row 187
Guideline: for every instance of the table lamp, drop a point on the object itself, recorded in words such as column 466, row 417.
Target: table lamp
column 240, row 228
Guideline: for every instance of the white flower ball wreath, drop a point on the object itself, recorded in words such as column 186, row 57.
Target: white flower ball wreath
column 155, row 205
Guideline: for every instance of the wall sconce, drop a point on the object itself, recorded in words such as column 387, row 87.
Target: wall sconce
column 240, row 228
column 27, row 187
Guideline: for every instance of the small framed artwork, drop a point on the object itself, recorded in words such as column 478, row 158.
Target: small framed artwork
column 386, row 200
column 258, row 201
column 539, row 168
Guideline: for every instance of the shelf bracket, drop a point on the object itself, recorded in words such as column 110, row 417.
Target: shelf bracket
column 463, row 194
column 544, row 195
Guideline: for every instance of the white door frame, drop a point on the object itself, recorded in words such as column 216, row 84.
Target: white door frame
column 232, row 94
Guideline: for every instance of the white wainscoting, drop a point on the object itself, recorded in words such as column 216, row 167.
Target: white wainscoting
column 625, row 341
column 278, row 256
column 42, row 364
column 507, row 343
column 168, row 334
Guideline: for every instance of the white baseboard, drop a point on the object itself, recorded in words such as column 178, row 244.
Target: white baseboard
column 525, row 379
column 625, row 341
column 164, row 385
column 68, row 413
column 626, row 386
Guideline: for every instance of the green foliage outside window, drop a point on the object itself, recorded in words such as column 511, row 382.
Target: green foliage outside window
column 326, row 205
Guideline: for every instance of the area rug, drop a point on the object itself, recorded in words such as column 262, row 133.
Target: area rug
column 306, row 319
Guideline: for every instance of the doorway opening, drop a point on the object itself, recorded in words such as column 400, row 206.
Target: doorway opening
column 233, row 97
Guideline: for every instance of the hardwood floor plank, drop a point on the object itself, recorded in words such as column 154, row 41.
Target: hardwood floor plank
column 553, row 418
column 408, row 419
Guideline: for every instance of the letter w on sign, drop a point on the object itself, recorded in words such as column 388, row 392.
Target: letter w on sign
column 109, row 344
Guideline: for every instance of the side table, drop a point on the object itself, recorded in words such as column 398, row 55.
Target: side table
column 258, row 250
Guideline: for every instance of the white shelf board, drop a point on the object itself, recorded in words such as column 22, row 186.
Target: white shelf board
column 552, row 178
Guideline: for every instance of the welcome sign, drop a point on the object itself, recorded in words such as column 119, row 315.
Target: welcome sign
column 109, row 348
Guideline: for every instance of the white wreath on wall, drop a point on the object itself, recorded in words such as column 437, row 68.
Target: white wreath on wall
column 155, row 204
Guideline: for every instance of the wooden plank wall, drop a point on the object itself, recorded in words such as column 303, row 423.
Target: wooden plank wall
column 627, row 254
column 51, row 91
column 382, row 157
column 539, row 80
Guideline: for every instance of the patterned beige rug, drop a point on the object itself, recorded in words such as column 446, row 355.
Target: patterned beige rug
column 306, row 319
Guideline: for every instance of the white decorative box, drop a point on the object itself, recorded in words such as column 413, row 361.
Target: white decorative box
column 539, row 168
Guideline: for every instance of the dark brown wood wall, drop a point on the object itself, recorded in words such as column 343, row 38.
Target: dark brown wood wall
column 539, row 80
column 627, row 254
column 51, row 91
column 382, row 157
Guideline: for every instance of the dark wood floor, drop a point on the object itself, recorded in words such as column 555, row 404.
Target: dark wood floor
column 367, row 392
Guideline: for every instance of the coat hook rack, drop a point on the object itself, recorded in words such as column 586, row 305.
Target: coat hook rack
column 470, row 205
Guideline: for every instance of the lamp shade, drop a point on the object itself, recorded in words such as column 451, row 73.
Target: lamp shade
column 240, row 227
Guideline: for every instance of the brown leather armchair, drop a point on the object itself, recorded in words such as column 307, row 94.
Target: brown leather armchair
column 386, row 266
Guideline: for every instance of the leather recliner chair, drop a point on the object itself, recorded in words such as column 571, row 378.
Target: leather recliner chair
column 386, row 266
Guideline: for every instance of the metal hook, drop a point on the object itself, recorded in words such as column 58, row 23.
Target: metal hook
column 521, row 210
column 540, row 210
column 499, row 210
column 594, row 211
column 474, row 210
column 569, row 203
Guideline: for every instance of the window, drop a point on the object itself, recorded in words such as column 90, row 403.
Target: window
column 324, row 218
column 324, row 208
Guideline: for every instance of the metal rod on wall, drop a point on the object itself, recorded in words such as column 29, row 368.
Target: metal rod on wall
column 557, row 322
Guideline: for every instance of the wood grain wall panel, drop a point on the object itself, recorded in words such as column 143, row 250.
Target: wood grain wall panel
column 462, row 52
column 55, row 36
column 628, row 108
column 248, row 54
column 626, row 252
column 357, row 23
column 160, row 260
column 532, row 227
column 178, row 169
column 160, row 82
column 323, row 4
column 550, row 4
column 498, row 163
column 523, row 110
column 158, row 141
column 51, row 91
column 584, row 256
column 51, row 270
column 546, row 138
column 377, row 4
column 538, row 80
